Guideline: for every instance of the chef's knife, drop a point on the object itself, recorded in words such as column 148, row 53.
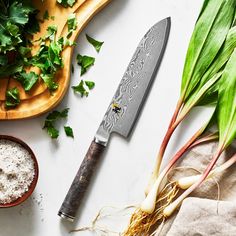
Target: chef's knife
column 122, row 111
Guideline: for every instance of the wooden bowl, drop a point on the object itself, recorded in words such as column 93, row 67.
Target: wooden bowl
column 36, row 169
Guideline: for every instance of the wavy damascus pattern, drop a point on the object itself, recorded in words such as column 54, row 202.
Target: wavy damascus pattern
column 128, row 99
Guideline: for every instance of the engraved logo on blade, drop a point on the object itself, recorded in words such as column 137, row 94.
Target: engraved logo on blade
column 116, row 108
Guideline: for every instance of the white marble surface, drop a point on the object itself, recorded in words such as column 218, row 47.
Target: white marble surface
column 126, row 165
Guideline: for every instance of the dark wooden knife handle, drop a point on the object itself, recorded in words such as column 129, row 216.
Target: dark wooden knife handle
column 81, row 182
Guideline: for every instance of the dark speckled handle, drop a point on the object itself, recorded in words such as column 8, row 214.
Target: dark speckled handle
column 81, row 181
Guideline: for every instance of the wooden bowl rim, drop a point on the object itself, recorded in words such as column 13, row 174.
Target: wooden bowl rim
column 32, row 186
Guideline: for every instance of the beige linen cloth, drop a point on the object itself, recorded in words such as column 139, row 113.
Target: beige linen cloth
column 211, row 209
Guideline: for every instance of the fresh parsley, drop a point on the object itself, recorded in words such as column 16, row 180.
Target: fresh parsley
column 51, row 32
column 50, row 83
column 49, row 60
column 51, row 120
column 90, row 84
column 96, row 44
column 72, row 24
column 80, row 88
column 46, row 15
column 69, row 131
column 52, row 132
column 3, row 60
column 12, row 98
column 17, row 19
column 66, row 3
column 28, row 80
column 85, row 62
column 14, row 18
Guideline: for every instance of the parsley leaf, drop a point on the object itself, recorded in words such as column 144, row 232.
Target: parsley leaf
column 50, row 121
column 69, row 131
column 24, row 51
column 3, row 60
column 48, row 80
column 12, row 98
column 85, row 62
column 90, row 84
column 52, row 132
column 51, row 32
column 17, row 18
column 28, row 80
column 96, row 44
column 49, row 60
column 67, row 3
column 10, row 69
column 14, row 18
column 72, row 24
column 19, row 13
column 54, row 115
column 80, row 89
column 46, row 15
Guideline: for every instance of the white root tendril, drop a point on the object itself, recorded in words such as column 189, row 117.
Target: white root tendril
column 100, row 229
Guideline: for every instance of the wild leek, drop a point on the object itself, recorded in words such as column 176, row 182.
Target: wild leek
column 209, row 78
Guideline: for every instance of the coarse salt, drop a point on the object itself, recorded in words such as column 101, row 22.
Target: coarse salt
column 16, row 171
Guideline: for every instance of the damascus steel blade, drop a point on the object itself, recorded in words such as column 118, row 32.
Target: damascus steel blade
column 124, row 108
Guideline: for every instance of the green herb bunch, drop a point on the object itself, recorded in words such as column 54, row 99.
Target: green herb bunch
column 17, row 20
column 17, row 25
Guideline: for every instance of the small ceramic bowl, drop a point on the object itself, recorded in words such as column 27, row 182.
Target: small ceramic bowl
column 36, row 169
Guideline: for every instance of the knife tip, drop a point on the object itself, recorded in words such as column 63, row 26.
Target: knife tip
column 168, row 19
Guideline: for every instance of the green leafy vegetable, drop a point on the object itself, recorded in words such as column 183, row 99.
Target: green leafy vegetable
column 50, row 121
column 209, row 77
column 17, row 22
column 3, row 60
column 90, row 84
column 14, row 18
column 67, row 3
column 51, row 32
column 217, row 67
column 209, row 35
column 96, row 44
column 48, row 80
column 85, row 62
column 227, row 103
column 49, row 60
column 52, row 132
column 24, row 51
column 28, row 80
column 12, row 98
column 11, row 69
column 72, row 24
column 46, row 15
column 17, row 19
column 80, row 89
column 69, row 131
